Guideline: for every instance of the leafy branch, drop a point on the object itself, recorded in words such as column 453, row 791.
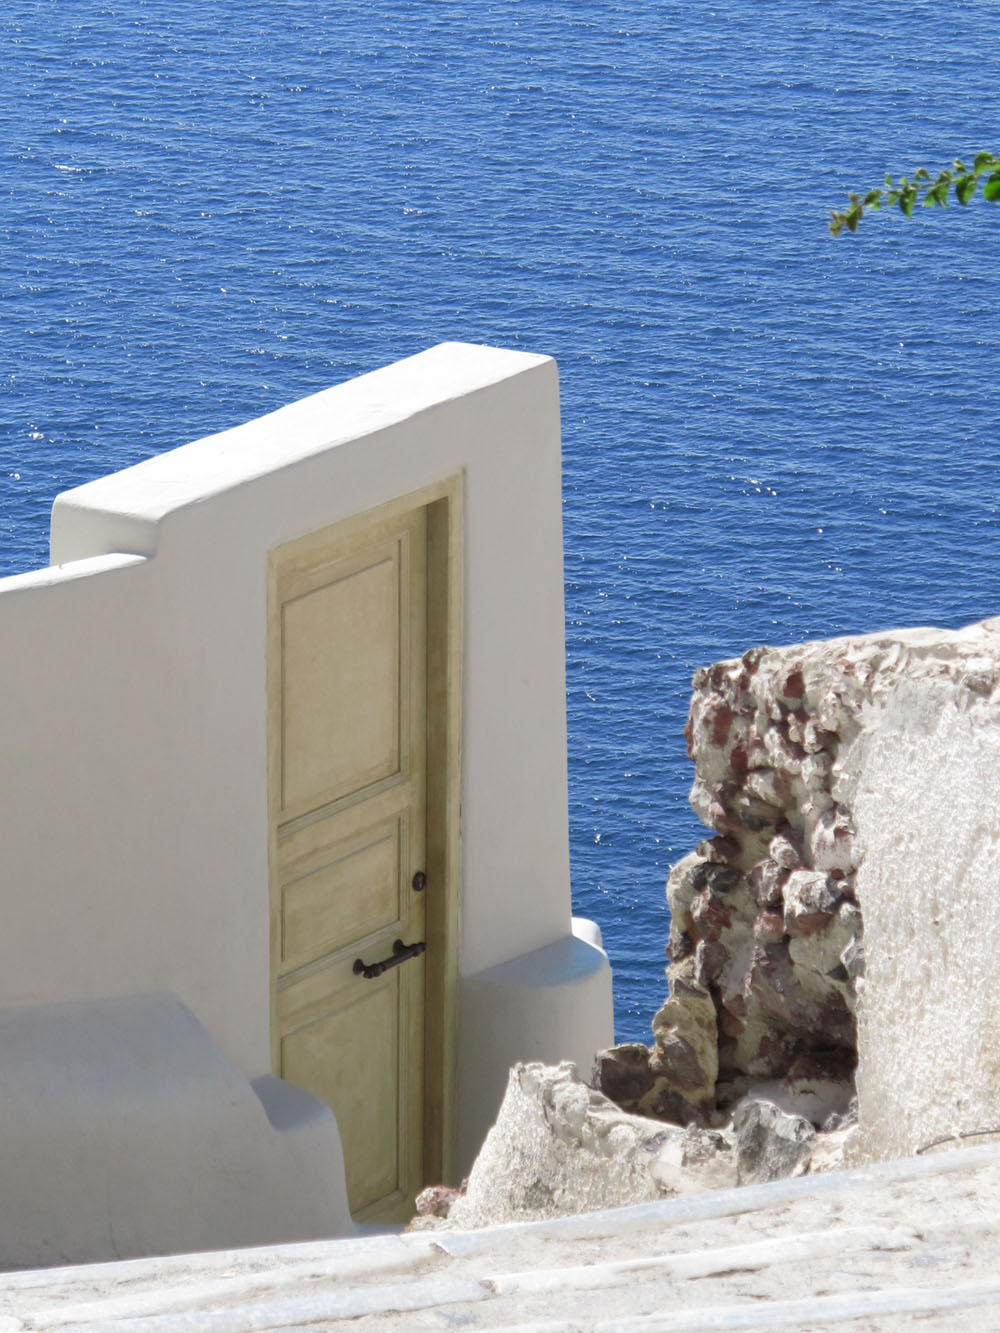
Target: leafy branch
column 930, row 193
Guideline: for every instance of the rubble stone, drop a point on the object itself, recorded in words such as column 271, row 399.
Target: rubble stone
column 771, row 1144
column 765, row 882
column 436, row 1200
column 686, row 1031
column 832, row 840
column 700, row 1159
column 623, row 1073
column 560, row 1147
column 811, row 898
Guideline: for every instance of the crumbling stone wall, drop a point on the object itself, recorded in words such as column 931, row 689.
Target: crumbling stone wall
column 766, row 948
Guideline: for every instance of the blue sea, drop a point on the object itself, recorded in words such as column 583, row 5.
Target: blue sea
column 209, row 210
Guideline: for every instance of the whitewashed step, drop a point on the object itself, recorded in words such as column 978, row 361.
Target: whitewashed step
column 910, row 1244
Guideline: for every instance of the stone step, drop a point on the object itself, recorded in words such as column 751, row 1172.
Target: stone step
column 903, row 1244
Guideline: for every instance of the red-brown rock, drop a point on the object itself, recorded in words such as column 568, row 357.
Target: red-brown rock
column 769, row 926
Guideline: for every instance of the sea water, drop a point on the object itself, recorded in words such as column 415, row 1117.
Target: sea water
column 209, row 210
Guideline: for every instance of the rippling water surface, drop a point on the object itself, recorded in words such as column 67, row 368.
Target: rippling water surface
column 211, row 210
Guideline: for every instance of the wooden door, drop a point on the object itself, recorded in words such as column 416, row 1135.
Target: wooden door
column 348, row 760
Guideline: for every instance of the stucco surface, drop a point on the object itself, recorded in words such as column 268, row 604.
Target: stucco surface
column 127, row 1131
column 925, row 806
column 554, row 1003
column 210, row 512
column 134, row 823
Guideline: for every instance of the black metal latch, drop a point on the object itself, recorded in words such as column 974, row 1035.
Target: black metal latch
column 400, row 953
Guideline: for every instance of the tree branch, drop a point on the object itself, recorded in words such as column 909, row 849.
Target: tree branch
column 930, row 193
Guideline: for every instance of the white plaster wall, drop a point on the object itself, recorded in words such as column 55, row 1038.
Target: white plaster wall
column 115, row 879
column 552, row 1004
column 126, row 1131
column 926, row 803
column 132, row 690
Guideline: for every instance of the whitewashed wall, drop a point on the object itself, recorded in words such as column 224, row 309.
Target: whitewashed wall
column 132, row 705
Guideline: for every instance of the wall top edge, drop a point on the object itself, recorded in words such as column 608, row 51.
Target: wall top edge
column 54, row 575
column 919, row 639
column 358, row 407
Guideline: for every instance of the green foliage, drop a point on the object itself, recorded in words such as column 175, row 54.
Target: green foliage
column 930, row 193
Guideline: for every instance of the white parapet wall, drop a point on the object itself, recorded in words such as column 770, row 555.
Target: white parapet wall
column 133, row 716
column 128, row 1132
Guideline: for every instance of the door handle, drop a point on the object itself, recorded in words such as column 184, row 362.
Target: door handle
column 400, row 953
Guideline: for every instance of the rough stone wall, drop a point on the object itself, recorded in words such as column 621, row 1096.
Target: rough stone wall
column 927, row 808
column 838, row 777
column 558, row 1147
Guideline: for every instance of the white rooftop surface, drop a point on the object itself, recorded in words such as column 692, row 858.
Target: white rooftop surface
column 908, row 1244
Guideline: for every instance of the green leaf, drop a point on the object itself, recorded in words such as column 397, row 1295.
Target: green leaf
column 933, row 193
column 965, row 188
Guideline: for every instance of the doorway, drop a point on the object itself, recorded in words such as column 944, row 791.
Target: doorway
column 363, row 686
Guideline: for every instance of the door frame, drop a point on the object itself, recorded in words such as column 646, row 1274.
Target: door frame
column 443, row 501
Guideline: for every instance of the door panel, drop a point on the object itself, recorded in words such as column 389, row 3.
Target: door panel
column 353, row 891
column 345, row 658
column 362, row 1087
column 348, row 781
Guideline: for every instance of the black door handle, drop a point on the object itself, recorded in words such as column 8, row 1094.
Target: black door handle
column 400, row 953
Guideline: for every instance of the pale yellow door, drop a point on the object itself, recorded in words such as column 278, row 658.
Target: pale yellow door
column 347, row 710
